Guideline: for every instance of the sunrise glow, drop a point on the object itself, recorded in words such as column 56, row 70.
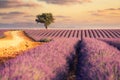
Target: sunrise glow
column 67, row 13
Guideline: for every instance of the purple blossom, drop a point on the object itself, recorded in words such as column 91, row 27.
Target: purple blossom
column 44, row 62
column 98, row 61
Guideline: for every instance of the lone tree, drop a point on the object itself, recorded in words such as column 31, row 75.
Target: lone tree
column 45, row 18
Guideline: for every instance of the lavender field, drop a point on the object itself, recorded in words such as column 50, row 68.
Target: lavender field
column 98, row 60
column 100, row 33
column 37, row 34
column 70, row 55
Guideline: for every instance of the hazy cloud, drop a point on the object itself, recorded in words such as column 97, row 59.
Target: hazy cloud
column 21, row 25
column 62, row 18
column 113, row 9
column 11, row 15
column 111, row 12
column 65, row 1
column 15, row 3
column 29, row 16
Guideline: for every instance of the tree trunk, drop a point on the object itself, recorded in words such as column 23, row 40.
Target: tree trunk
column 46, row 26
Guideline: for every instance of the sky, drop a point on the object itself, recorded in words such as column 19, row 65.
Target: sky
column 84, row 14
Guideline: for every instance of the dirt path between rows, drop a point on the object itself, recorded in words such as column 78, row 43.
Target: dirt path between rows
column 14, row 42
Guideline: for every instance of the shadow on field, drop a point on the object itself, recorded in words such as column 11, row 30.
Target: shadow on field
column 29, row 36
column 115, row 43
column 69, row 73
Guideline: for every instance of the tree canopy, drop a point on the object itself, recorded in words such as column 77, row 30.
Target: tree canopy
column 45, row 18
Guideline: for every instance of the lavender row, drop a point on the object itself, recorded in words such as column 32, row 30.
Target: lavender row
column 2, row 33
column 37, row 34
column 48, row 61
column 113, row 42
column 98, row 33
column 98, row 60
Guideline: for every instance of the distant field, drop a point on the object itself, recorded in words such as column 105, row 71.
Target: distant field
column 37, row 34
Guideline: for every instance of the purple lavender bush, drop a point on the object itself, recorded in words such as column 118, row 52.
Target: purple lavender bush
column 98, row 61
column 113, row 42
column 45, row 62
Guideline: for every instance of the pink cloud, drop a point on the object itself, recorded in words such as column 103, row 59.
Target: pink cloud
column 15, row 3
column 110, row 12
column 65, row 1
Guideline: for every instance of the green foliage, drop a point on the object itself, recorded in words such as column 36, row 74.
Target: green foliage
column 2, row 36
column 45, row 18
column 45, row 40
